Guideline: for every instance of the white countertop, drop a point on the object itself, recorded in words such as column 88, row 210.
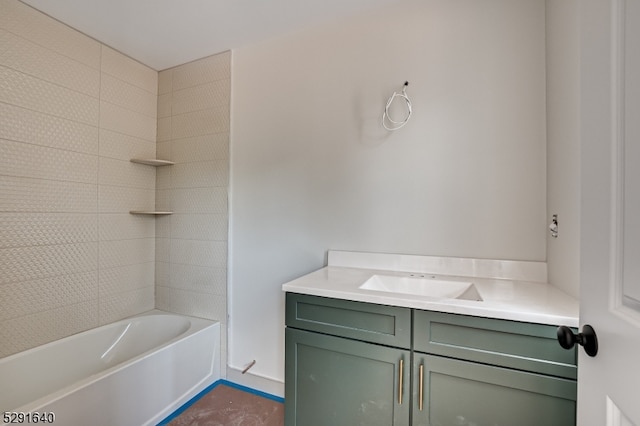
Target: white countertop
column 526, row 298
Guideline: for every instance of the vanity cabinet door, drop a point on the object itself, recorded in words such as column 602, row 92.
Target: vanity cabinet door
column 336, row 381
column 450, row 392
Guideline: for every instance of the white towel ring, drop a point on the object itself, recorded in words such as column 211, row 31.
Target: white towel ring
column 389, row 123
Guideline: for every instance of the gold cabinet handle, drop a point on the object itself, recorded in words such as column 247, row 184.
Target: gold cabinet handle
column 400, row 377
column 421, row 389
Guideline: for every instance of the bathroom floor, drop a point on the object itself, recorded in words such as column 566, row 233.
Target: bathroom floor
column 227, row 406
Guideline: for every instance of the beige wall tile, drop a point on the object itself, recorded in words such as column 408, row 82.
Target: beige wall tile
column 27, row 331
column 163, row 226
column 202, row 122
column 163, row 250
column 193, row 131
column 164, row 129
column 201, row 148
column 30, row 58
column 120, row 279
column 29, row 92
column 212, row 68
column 126, row 304
column 27, row 160
column 126, row 174
column 38, row 262
column 163, row 177
column 200, row 174
column 60, row 168
column 124, row 226
column 162, row 272
column 122, row 120
column 191, row 303
column 117, row 199
column 200, row 226
column 26, row 22
column 198, row 200
column 30, row 297
column 22, row 229
column 124, row 147
column 127, row 95
column 163, row 150
column 200, row 279
column 164, row 105
column 203, row 96
column 19, row 194
column 126, row 252
column 164, row 200
column 129, row 70
column 199, row 253
column 165, row 83
column 72, row 114
column 24, row 125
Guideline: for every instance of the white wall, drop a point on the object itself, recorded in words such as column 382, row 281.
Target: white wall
column 563, row 143
column 312, row 169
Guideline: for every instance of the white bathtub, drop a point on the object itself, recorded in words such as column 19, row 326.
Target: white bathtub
column 132, row 372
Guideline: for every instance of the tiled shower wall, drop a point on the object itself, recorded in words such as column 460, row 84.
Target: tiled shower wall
column 191, row 244
column 72, row 114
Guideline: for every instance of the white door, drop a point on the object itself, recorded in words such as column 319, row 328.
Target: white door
column 609, row 384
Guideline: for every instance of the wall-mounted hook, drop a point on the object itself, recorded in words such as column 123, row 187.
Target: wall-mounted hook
column 553, row 228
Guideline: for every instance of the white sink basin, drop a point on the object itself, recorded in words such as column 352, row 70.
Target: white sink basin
column 420, row 285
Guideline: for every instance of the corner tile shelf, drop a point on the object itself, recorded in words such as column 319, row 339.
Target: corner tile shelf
column 150, row 213
column 155, row 163
column 152, row 162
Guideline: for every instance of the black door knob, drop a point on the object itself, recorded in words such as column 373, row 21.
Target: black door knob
column 586, row 339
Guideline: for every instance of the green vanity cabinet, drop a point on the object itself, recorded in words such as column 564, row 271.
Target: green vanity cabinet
column 347, row 363
column 353, row 363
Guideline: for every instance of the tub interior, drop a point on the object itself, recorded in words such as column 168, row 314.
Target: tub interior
column 140, row 335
